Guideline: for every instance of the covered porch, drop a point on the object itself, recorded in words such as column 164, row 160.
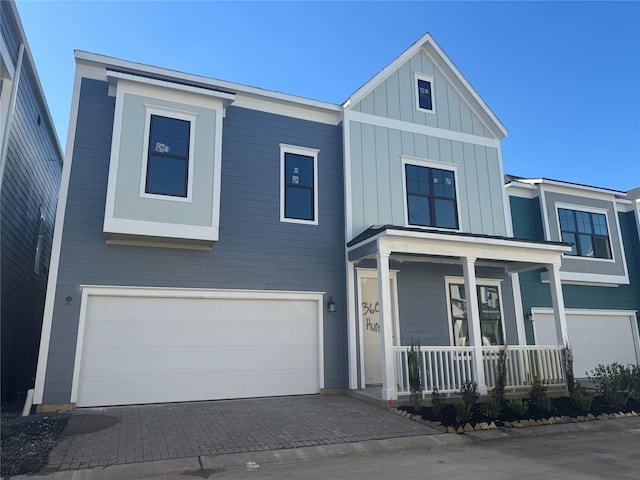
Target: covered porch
column 455, row 294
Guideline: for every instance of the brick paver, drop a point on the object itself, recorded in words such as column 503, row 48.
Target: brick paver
column 116, row 435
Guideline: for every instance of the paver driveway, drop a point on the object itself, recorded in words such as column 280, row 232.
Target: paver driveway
column 117, row 435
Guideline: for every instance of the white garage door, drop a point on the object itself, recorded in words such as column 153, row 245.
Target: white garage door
column 152, row 349
column 595, row 338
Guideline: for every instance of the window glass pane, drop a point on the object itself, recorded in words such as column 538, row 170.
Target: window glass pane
column 599, row 224
column 570, row 238
column 459, row 315
column 584, row 222
column 419, row 213
column 298, row 203
column 443, row 183
column 445, row 213
column 167, row 176
column 601, row 247
column 417, row 180
column 567, row 220
column 586, row 245
column 298, row 170
column 424, row 94
column 169, row 136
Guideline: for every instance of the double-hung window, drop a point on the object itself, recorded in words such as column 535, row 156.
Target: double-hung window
column 489, row 309
column 299, row 185
column 168, row 156
column 586, row 231
column 430, row 196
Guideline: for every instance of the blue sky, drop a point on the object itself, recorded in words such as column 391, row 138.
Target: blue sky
column 564, row 78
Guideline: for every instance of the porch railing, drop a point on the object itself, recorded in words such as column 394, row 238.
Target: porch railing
column 449, row 368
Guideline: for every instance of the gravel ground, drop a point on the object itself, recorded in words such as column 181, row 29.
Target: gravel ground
column 27, row 441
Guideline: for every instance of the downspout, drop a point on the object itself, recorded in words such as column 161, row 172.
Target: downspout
column 12, row 107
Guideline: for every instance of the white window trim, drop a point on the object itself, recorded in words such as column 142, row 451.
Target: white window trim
column 179, row 115
column 587, row 209
column 420, row 162
column 428, row 78
column 480, row 282
column 309, row 152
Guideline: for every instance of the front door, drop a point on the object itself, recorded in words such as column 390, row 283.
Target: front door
column 370, row 328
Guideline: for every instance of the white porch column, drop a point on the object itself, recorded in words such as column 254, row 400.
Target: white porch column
column 473, row 320
column 557, row 300
column 352, row 332
column 386, row 331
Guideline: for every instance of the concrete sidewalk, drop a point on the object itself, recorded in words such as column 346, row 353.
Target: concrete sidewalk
column 125, row 435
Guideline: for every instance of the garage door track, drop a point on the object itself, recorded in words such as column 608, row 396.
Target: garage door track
column 99, row 437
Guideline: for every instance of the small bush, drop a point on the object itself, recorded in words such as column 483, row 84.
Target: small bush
column 491, row 408
column 415, row 379
column 614, row 383
column 567, row 363
column 517, row 406
column 501, row 376
column 539, row 396
column 580, row 398
column 437, row 401
column 470, row 395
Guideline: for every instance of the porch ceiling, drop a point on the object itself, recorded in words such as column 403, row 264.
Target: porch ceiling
column 411, row 244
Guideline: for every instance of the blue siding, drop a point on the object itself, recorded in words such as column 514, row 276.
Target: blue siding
column 255, row 250
column 526, row 218
column 29, row 186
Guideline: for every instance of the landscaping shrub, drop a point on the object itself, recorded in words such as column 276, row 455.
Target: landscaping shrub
column 437, row 401
column 501, row 377
column 567, row 363
column 580, row 398
column 517, row 406
column 491, row 408
column 470, row 395
column 539, row 396
column 616, row 383
column 415, row 379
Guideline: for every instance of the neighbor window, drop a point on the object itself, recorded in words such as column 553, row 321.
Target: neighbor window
column 431, row 197
column 424, row 93
column 299, row 183
column 168, row 156
column 489, row 310
column 586, row 231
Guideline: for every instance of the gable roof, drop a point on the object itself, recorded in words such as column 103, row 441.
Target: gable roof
column 451, row 72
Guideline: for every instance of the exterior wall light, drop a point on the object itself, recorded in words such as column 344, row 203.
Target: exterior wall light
column 331, row 305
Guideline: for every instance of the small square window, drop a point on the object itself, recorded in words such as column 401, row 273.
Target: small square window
column 168, row 156
column 424, row 93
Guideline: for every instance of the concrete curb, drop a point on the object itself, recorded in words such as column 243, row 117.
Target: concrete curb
column 209, row 464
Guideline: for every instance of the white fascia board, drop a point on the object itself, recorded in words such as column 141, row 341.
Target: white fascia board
column 589, row 279
column 570, row 188
column 157, row 229
column 449, row 69
column 586, row 311
column 36, row 77
column 204, row 81
column 519, row 189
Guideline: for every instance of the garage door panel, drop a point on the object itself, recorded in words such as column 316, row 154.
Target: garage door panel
column 595, row 338
column 146, row 350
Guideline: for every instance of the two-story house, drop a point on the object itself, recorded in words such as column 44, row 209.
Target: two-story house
column 215, row 240
column 30, row 171
column 600, row 275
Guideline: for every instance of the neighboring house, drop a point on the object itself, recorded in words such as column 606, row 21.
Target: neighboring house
column 30, row 170
column 215, row 240
column 600, row 275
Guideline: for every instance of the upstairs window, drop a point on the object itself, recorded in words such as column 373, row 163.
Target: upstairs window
column 587, row 231
column 168, row 156
column 299, row 185
column 431, row 197
column 424, row 93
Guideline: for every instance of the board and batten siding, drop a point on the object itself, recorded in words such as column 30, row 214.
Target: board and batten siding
column 395, row 98
column 377, row 195
column 255, row 250
column 30, row 186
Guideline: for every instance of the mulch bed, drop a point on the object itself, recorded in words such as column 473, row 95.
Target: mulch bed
column 559, row 407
